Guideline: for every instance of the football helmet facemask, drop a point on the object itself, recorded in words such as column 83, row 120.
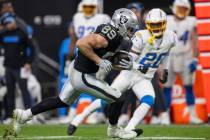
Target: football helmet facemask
column 156, row 22
column 125, row 21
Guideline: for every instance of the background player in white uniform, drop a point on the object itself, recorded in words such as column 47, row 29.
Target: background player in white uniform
column 183, row 58
column 150, row 48
column 86, row 21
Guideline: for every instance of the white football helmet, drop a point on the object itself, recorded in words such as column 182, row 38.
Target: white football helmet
column 125, row 21
column 181, row 8
column 79, row 7
column 156, row 22
column 89, row 7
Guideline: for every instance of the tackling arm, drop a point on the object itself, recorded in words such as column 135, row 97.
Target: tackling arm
column 87, row 45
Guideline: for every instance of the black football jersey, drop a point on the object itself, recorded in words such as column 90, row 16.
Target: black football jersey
column 84, row 64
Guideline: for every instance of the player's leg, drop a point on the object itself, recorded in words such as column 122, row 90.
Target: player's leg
column 159, row 105
column 130, row 102
column 122, row 83
column 145, row 93
column 22, row 83
column 98, row 103
column 187, row 78
column 66, row 98
column 34, row 88
column 167, row 90
column 97, row 88
column 10, row 96
column 102, row 90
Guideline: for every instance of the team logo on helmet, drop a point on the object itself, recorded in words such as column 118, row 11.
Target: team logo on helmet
column 123, row 19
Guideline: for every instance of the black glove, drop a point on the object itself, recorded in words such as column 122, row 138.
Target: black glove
column 163, row 79
column 143, row 69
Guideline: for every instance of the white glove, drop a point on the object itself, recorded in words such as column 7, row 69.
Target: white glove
column 105, row 65
column 101, row 74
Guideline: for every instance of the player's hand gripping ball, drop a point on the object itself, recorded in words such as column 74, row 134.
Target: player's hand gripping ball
column 122, row 60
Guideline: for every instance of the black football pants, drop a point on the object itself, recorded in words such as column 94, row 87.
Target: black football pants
column 13, row 77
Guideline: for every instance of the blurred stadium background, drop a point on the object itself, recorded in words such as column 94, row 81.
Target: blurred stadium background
column 50, row 20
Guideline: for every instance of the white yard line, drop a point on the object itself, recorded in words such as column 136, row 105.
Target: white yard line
column 169, row 138
column 101, row 138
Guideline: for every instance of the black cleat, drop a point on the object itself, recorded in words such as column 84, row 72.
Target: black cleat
column 71, row 129
column 138, row 131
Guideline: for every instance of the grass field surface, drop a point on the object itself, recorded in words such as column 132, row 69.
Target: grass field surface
column 98, row 132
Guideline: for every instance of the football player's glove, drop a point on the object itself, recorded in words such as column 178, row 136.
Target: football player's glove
column 105, row 65
column 122, row 60
column 193, row 65
column 164, row 77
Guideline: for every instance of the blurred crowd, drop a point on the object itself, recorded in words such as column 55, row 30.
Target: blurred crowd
column 19, row 87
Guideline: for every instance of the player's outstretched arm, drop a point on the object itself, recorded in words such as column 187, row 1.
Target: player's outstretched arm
column 86, row 46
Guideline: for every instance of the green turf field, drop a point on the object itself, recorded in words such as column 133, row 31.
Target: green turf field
column 98, row 132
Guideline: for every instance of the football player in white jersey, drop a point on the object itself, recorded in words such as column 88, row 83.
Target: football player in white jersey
column 150, row 48
column 183, row 58
column 85, row 21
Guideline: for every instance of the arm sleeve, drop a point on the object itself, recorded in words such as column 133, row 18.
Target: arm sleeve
column 137, row 41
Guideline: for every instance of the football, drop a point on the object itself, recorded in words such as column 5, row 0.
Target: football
column 117, row 57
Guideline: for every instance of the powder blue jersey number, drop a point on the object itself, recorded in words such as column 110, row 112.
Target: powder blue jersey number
column 152, row 59
column 82, row 29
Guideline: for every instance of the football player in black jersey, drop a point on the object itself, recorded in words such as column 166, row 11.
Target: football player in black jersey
column 93, row 52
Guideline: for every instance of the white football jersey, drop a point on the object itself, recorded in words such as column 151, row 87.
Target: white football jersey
column 153, row 51
column 183, row 29
column 83, row 25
